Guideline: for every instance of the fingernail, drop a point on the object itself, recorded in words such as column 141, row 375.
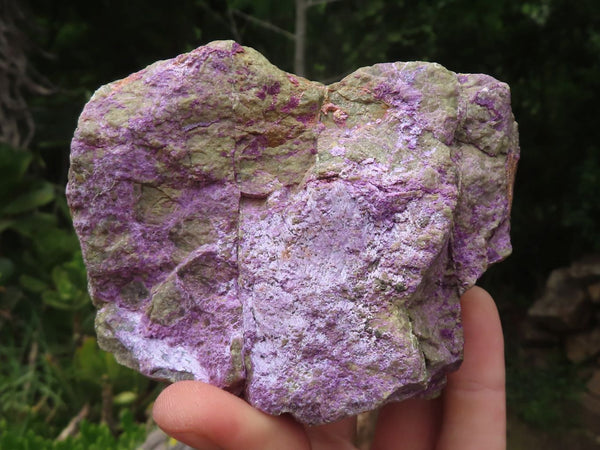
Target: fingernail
column 196, row 441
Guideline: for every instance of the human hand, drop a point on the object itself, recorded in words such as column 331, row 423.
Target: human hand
column 470, row 414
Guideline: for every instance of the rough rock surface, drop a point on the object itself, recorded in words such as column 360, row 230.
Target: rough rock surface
column 583, row 346
column 564, row 305
column 301, row 245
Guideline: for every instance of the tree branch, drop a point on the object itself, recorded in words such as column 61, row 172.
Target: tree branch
column 218, row 17
column 319, row 2
column 71, row 427
column 264, row 24
column 233, row 26
column 300, row 41
column 107, row 416
column 17, row 77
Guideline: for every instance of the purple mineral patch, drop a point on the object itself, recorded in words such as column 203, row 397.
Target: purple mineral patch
column 300, row 245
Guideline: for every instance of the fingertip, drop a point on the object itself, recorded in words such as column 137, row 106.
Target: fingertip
column 206, row 417
column 484, row 341
column 476, row 292
column 474, row 398
column 477, row 301
column 178, row 411
column 167, row 409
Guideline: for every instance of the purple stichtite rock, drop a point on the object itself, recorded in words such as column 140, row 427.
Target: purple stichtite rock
column 303, row 246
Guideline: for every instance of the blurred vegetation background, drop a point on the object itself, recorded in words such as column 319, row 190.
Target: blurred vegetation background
column 55, row 53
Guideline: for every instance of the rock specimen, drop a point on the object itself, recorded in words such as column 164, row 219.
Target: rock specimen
column 303, row 246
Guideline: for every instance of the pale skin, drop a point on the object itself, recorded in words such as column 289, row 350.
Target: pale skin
column 470, row 414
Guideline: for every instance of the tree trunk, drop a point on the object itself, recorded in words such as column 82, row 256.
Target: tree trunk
column 300, row 38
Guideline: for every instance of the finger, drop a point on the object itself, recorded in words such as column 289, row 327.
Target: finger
column 474, row 414
column 338, row 435
column 411, row 424
column 206, row 417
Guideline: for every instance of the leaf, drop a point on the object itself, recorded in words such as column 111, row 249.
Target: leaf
column 6, row 224
column 113, row 368
column 63, row 284
column 13, row 165
column 9, row 297
column 125, row 398
column 54, row 246
column 60, row 300
column 33, row 284
column 32, row 224
column 62, row 205
column 396, row 36
column 41, row 193
column 73, row 303
column 90, row 361
column 7, row 268
column 77, row 271
column 52, row 298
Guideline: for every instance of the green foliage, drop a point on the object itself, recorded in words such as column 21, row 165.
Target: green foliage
column 541, row 396
column 93, row 366
column 49, row 363
column 40, row 257
column 19, row 191
column 583, row 216
column 91, row 436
